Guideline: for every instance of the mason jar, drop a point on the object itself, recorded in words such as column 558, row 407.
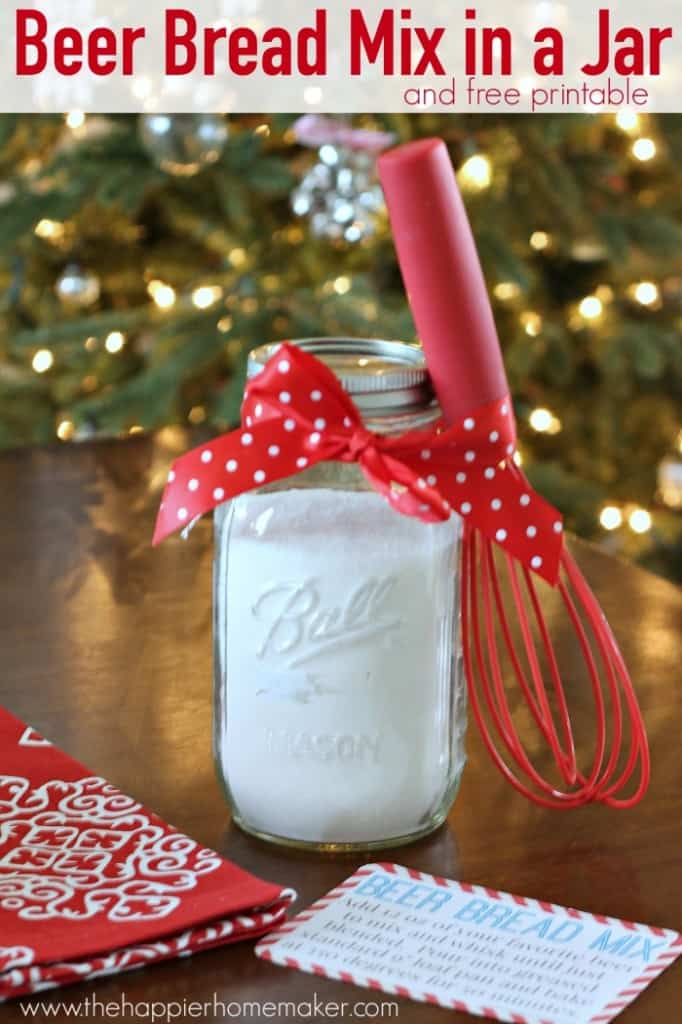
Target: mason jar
column 340, row 706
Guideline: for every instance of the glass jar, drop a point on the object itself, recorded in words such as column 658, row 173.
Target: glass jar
column 340, row 705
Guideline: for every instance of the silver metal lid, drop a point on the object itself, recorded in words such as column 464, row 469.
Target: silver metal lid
column 383, row 377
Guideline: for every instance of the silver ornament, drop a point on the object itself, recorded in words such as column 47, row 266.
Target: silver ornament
column 182, row 144
column 77, row 287
column 340, row 195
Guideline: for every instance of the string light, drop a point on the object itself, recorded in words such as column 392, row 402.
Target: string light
column 136, row 429
column 163, row 294
column 532, row 323
column 543, row 421
column 197, row 414
column 644, row 149
column 90, row 344
column 506, row 290
column 206, row 295
column 75, row 119
column 611, row 517
column 604, row 292
column 476, row 173
column 42, row 360
column 225, row 324
column 294, row 234
column 540, row 420
column 639, row 520
column 646, row 293
column 281, row 324
column 114, row 342
column 66, row 429
column 540, row 240
column 591, row 307
column 341, row 285
column 51, row 230
column 627, row 120
column 237, row 257
column 670, row 482
column 31, row 167
column 647, row 197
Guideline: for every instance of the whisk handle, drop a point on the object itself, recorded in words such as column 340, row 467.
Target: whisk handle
column 443, row 277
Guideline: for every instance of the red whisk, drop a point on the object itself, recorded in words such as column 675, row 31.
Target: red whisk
column 505, row 635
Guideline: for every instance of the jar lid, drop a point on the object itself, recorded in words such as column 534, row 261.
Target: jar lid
column 383, row 377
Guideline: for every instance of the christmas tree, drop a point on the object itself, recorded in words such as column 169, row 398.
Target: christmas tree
column 144, row 256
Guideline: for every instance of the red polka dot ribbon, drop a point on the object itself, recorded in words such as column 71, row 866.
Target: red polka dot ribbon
column 296, row 414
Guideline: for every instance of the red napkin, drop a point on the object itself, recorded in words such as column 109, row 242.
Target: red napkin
column 92, row 883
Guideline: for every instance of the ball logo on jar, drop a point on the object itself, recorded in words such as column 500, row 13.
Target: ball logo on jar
column 299, row 627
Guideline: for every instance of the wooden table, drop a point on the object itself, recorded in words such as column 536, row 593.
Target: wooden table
column 106, row 649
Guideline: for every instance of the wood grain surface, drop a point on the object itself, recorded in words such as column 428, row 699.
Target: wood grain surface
column 106, row 649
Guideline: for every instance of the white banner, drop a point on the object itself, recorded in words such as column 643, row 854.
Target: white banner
column 286, row 55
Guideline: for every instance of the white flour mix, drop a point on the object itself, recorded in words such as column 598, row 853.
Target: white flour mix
column 335, row 643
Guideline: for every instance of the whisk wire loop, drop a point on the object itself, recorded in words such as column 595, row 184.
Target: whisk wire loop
column 484, row 618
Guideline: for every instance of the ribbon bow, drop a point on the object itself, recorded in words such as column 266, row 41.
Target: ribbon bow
column 296, row 414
